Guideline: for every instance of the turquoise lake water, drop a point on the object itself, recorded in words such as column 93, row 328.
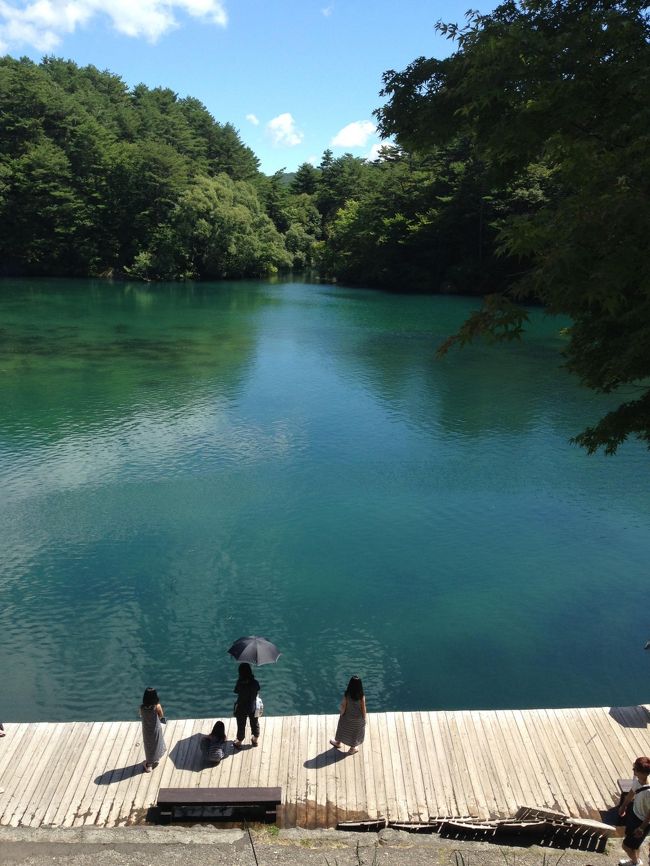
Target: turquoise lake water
column 184, row 464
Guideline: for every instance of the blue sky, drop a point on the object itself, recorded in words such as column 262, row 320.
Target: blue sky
column 293, row 76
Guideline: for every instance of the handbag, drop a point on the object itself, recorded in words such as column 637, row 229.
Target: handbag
column 259, row 706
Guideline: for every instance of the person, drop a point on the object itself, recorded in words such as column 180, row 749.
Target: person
column 351, row 728
column 151, row 714
column 637, row 818
column 246, row 689
column 214, row 743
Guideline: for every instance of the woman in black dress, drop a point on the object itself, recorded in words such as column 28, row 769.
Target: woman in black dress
column 246, row 690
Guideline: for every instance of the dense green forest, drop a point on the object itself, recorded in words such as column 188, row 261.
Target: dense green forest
column 97, row 179
column 519, row 170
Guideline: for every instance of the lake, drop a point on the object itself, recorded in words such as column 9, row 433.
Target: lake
column 184, row 464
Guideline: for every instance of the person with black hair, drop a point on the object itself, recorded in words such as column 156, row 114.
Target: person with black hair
column 214, row 744
column 153, row 741
column 637, row 818
column 246, row 689
column 351, row 728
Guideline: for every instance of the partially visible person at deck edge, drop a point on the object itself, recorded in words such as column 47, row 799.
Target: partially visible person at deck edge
column 636, row 809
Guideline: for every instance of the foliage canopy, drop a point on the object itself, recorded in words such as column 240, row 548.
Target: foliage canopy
column 562, row 84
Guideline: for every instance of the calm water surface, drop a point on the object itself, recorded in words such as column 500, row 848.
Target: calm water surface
column 184, row 464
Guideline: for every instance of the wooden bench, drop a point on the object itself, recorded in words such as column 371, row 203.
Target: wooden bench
column 232, row 804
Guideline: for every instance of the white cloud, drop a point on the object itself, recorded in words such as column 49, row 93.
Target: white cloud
column 42, row 24
column 327, row 11
column 374, row 151
column 251, row 118
column 313, row 160
column 283, row 131
column 354, row 134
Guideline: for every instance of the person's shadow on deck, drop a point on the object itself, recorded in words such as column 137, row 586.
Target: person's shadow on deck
column 630, row 717
column 189, row 754
column 325, row 759
column 119, row 774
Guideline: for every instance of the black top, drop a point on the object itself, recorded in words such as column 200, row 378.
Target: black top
column 247, row 692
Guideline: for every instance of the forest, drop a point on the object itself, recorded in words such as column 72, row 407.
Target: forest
column 518, row 169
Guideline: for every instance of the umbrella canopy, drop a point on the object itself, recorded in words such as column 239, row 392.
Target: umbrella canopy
column 254, row 650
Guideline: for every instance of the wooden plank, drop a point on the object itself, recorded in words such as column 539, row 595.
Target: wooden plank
column 10, row 753
column 118, row 771
column 301, row 772
column 541, row 769
column 368, row 771
column 36, row 779
column 95, row 791
column 616, row 746
column 270, row 748
column 594, row 755
column 78, row 776
column 563, row 795
column 310, row 751
column 49, row 778
column 464, row 752
column 529, row 787
column 571, row 748
column 323, row 771
column 10, row 747
column 375, row 749
column 130, row 757
column 82, row 736
column 460, row 773
column 397, row 767
column 386, row 768
column 57, row 775
column 411, row 748
column 438, row 754
column 288, row 814
column 566, row 767
column 497, row 734
column 23, row 771
column 489, row 773
column 431, row 778
column 634, row 726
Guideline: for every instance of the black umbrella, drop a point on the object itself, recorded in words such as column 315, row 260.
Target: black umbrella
column 254, row 650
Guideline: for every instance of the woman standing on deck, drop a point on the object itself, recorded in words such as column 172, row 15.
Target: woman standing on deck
column 151, row 714
column 246, row 689
column 351, row 728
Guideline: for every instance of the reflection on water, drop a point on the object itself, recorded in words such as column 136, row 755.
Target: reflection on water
column 184, row 464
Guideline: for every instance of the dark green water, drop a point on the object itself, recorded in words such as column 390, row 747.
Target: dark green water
column 181, row 465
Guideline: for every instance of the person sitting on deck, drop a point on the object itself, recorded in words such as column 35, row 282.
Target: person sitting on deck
column 214, row 744
column 637, row 818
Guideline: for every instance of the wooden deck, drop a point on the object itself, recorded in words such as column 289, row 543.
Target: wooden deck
column 412, row 767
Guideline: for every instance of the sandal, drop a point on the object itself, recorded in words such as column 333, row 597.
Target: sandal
column 335, row 743
column 352, row 750
column 146, row 767
column 237, row 744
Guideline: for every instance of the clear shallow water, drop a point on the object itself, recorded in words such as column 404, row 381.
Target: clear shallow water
column 184, row 464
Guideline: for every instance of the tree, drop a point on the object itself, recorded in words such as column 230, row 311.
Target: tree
column 305, row 180
column 563, row 84
column 218, row 230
